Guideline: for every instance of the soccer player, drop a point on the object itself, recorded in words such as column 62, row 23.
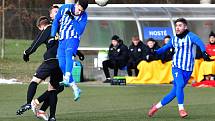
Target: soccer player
column 35, row 103
column 72, row 20
column 49, row 67
column 182, row 66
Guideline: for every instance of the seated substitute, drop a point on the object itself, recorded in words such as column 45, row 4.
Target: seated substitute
column 167, row 56
column 152, row 46
column 118, row 56
column 137, row 52
column 210, row 49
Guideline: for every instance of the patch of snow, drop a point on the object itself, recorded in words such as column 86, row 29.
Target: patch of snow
column 10, row 81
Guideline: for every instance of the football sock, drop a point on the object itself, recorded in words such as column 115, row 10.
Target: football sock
column 53, row 102
column 45, row 105
column 31, row 91
column 67, row 76
column 43, row 97
column 180, row 106
column 158, row 105
column 74, row 86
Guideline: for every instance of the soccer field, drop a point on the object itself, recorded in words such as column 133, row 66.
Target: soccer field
column 112, row 103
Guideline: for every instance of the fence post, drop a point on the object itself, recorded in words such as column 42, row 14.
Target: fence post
column 3, row 30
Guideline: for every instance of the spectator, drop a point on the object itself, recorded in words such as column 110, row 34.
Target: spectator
column 118, row 56
column 167, row 56
column 210, row 48
column 152, row 46
column 137, row 52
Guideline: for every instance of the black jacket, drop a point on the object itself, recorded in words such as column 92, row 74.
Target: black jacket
column 137, row 53
column 118, row 54
column 151, row 56
column 42, row 38
column 167, row 56
column 198, row 53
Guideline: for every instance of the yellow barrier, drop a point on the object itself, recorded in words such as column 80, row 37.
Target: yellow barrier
column 152, row 73
column 156, row 72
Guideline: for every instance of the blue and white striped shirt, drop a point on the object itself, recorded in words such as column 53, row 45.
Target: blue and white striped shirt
column 68, row 28
column 184, row 56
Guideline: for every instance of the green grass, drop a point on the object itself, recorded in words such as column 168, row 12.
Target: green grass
column 12, row 66
column 112, row 103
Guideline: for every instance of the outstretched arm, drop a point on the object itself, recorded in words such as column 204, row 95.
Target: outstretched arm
column 164, row 48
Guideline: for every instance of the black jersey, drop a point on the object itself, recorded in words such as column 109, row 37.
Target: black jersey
column 42, row 38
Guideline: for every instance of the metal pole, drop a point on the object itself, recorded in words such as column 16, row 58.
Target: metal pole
column 171, row 20
column 3, row 30
column 140, row 32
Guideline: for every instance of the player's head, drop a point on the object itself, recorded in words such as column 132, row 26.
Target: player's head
column 212, row 38
column 166, row 39
column 180, row 25
column 81, row 6
column 42, row 22
column 115, row 40
column 150, row 43
column 135, row 40
column 53, row 11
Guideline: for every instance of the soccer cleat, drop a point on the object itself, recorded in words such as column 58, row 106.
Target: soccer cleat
column 107, row 81
column 65, row 83
column 52, row 119
column 152, row 111
column 23, row 108
column 42, row 115
column 34, row 106
column 183, row 113
column 77, row 93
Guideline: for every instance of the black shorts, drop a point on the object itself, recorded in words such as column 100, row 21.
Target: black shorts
column 50, row 68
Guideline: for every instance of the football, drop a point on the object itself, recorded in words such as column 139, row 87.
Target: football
column 101, row 2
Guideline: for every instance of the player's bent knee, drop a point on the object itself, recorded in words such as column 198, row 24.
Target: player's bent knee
column 37, row 80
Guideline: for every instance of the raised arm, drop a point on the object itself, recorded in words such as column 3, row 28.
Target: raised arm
column 164, row 48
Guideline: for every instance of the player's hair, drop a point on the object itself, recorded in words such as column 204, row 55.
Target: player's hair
column 52, row 7
column 211, row 34
column 150, row 39
column 115, row 37
column 167, row 36
column 83, row 3
column 136, row 37
column 183, row 20
column 42, row 20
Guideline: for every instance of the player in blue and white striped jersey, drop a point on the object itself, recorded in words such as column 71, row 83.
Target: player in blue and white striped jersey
column 182, row 66
column 71, row 19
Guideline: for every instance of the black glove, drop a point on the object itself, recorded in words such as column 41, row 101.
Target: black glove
column 25, row 57
column 80, row 55
column 206, row 56
column 149, row 58
column 70, row 15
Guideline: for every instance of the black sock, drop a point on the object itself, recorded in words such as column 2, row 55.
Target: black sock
column 45, row 105
column 43, row 97
column 31, row 91
column 60, row 89
column 52, row 102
